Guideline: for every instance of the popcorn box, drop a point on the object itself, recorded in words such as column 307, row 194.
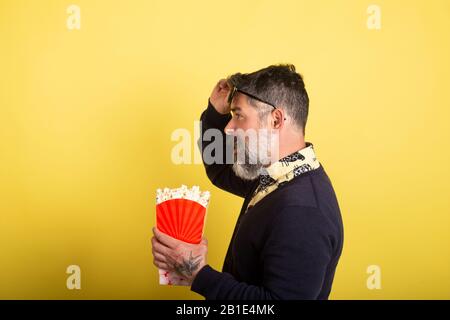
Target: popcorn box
column 181, row 214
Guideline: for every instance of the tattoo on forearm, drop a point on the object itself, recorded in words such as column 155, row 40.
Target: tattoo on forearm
column 187, row 266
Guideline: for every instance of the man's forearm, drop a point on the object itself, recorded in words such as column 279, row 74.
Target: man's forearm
column 219, row 171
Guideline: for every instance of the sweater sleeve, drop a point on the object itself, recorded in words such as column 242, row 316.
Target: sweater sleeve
column 214, row 146
column 295, row 258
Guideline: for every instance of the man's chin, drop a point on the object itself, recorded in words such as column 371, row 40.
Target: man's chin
column 247, row 171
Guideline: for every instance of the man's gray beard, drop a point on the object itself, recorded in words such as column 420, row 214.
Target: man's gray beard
column 251, row 170
column 247, row 171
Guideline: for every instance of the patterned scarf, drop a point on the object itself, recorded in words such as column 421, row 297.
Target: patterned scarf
column 284, row 170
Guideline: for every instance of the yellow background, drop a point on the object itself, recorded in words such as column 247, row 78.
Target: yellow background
column 86, row 117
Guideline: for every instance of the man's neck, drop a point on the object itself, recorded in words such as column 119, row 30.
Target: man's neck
column 289, row 149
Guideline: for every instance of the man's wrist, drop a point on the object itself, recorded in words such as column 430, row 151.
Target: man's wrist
column 222, row 111
column 214, row 118
column 197, row 278
column 199, row 270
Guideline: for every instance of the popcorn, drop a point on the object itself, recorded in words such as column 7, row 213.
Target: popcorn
column 193, row 194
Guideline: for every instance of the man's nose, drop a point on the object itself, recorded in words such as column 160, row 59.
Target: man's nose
column 229, row 129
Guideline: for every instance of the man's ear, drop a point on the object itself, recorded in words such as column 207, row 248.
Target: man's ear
column 278, row 118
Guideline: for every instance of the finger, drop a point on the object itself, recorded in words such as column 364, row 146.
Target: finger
column 166, row 240
column 204, row 241
column 159, row 257
column 158, row 247
column 161, row 265
column 155, row 240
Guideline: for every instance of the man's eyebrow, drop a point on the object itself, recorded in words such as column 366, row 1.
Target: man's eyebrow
column 236, row 108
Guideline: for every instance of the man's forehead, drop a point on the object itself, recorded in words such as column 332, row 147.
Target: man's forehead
column 239, row 102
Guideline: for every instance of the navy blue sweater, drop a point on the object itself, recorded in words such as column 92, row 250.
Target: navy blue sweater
column 285, row 247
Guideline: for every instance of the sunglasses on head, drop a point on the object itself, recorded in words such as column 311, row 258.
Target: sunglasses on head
column 236, row 89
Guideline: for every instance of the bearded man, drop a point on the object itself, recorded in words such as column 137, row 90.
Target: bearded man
column 289, row 234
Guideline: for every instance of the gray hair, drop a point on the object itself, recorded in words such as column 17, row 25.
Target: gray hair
column 280, row 85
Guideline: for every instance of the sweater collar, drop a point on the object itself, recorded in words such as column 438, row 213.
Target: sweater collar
column 283, row 171
column 300, row 161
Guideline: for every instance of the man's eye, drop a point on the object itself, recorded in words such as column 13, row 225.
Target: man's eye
column 237, row 115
